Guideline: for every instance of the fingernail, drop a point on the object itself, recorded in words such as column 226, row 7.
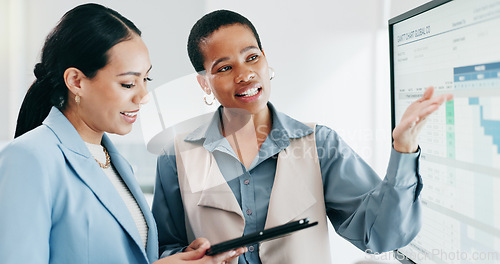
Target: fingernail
column 232, row 253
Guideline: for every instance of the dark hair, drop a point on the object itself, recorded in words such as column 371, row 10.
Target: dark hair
column 81, row 39
column 206, row 26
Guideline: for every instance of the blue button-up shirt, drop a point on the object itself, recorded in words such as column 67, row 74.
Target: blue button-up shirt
column 370, row 213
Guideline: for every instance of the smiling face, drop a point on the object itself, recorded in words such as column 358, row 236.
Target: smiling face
column 236, row 69
column 110, row 101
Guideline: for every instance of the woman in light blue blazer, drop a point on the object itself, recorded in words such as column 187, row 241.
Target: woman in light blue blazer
column 66, row 194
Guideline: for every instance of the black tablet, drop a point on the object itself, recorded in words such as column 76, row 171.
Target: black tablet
column 267, row 234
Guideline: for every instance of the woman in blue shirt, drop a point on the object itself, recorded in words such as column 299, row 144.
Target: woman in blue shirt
column 252, row 167
column 66, row 194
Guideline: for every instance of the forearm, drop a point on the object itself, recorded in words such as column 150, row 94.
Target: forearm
column 388, row 217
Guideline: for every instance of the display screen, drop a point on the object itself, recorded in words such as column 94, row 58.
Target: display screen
column 453, row 46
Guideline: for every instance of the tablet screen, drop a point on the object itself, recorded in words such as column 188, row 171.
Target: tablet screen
column 264, row 235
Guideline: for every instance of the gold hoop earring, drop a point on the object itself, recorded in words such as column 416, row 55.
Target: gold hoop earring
column 77, row 99
column 210, row 101
column 271, row 73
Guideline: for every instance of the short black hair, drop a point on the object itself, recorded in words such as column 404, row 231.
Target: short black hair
column 206, row 25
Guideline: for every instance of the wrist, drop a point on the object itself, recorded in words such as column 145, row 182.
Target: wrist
column 402, row 148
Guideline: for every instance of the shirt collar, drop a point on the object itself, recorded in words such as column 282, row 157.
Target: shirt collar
column 284, row 128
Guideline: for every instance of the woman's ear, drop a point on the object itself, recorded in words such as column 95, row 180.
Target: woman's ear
column 203, row 83
column 73, row 78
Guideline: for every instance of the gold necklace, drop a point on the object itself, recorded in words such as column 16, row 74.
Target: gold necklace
column 108, row 159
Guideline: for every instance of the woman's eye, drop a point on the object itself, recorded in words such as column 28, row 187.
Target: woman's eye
column 223, row 69
column 147, row 79
column 128, row 85
column 253, row 57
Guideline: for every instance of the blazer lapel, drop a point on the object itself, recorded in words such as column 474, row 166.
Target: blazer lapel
column 284, row 206
column 92, row 175
column 205, row 178
column 125, row 171
column 217, row 193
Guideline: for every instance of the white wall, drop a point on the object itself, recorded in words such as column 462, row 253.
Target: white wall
column 330, row 56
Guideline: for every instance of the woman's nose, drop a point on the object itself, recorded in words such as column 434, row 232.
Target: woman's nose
column 144, row 99
column 142, row 96
column 245, row 74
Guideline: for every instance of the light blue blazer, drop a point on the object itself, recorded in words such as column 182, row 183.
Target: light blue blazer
column 58, row 206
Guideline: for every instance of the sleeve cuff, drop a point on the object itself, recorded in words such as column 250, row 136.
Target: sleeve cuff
column 170, row 252
column 403, row 169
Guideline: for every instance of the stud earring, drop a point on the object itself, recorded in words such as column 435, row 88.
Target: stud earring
column 77, row 99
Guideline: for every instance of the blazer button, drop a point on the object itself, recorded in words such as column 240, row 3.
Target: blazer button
column 249, row 212
column 251, row 248
column 247, row 182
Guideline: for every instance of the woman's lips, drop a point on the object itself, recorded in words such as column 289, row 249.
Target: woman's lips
column 130, row 116
column 249, row 92
column 250, row 95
